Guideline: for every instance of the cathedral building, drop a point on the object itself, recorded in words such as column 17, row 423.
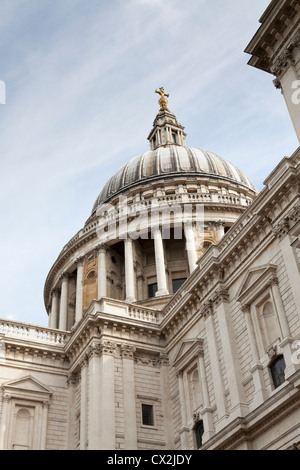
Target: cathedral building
column 174, row 318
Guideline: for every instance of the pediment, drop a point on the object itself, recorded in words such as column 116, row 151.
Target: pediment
column 255, row 280
column 187, row 351
column 26, row 386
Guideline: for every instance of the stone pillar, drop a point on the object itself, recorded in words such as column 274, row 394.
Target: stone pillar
column 239, row 407
column 288, row 79
column 54, row 308
column 140, row 287
column 184, row 430
column 72, row 383
column 102, row 284
column 43, row 437
column 287, row 340
column 215, row 366
column 83, row 402
column 63, row 312
column 260, row 391
column 220, row 227
column 190, row 246
column 166, row 400
column 129, row 404
column 160, row 263
column 79, row 290
column 129, row 271
column 206, row 412
column 95, row 381
column 289, row 257
column 4, row 421
column 101, row 429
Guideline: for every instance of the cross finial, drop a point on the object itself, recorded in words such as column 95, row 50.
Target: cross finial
column 163, row 99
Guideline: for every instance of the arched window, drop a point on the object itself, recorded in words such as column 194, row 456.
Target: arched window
column 277, row 368
column 199, row 431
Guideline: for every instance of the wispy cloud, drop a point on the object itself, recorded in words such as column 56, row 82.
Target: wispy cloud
column 80, row 80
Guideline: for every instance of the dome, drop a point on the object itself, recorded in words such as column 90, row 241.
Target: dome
column 169, row 162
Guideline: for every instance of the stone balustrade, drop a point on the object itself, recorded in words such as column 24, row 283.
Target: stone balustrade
column 12, row 329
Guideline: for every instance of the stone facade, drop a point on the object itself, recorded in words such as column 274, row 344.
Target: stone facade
column 170, row 343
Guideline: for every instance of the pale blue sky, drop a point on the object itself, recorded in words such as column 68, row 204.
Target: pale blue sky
column 80, row 78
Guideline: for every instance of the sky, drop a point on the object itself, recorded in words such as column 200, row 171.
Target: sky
column 80, row 77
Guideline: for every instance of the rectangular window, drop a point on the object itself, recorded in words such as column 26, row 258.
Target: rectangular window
column 147, row 415
column 174, row 137
column 177, row 283
column 152, row 289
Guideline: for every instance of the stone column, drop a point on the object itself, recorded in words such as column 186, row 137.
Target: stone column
column 239, row 407
column 63, row 312
column 140, row 286
column 94, row 408
column 220, row 227
column 215, row 366
column 190, row 246
column 54, row 308
column 102, row 285
column 166, row 400
column 79, row 290
column 288, row 80
column 260, row 391
column 72, row 383
column 160, row 263
column 289, row 257
column 43, row 436
column 101, row 429
column 206, row 412
column 287, row 340
column 4, row 421
column 129, row 271
column 83, row 402
column 184, row 430
column 129, row 404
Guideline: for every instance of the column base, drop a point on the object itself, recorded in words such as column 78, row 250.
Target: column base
column 161, row 292
column 130, row 300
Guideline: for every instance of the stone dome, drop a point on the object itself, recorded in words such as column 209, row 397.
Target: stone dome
column 169, row 162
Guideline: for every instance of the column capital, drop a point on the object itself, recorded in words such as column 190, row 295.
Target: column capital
column 7, row 397
column 164, row 359
column 101, row 249
column 207, row 309
column 84, row 361
column 281, row 229
column 108, row 347
column 283, row 61
column 65, row 276
column 72, row 379
column 79, row 261
column 246, row 308
column 127, row 351
column 54, row 292
column 219, row 296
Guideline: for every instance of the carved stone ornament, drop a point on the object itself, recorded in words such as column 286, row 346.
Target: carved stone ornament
column 196, row 416
column 272, row 351
column 221, row 295
column 294, row 214
column 282, row 62
column 127, row 351
column 108, row 347
column 147, row 360
column 281, row 229
column 206, row 309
